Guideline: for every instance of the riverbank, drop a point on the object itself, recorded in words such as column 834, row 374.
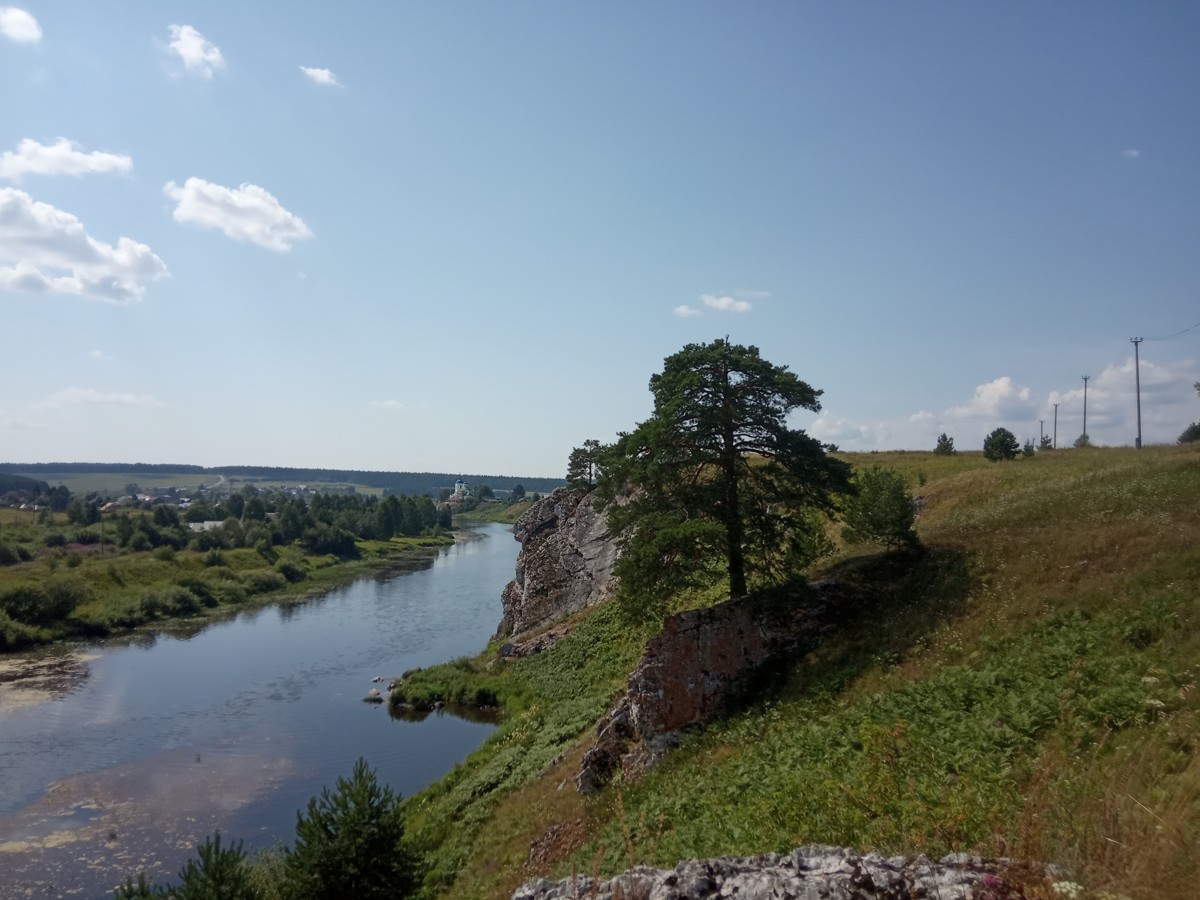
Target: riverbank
column 82, row 591
column 159, row 737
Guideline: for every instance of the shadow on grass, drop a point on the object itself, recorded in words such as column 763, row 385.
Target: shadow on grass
column 873, row 609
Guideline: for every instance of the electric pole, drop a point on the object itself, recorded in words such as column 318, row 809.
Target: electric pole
column 1085, row 381
column 1041, row 431
column 1055, row 426
column 1137, row 380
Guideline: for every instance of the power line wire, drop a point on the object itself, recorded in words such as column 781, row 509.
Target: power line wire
column 1175, row 335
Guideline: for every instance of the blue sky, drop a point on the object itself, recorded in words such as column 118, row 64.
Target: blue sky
column 461, row 236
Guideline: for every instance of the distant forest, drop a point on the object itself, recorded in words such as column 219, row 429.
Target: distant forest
column 393, row 482
column 20, row 483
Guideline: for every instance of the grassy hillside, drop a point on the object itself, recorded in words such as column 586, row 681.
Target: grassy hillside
column 1026, row 686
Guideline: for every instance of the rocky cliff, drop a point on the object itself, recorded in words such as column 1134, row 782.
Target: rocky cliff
column 813, row 873
column 692, row 668
column 565, row 563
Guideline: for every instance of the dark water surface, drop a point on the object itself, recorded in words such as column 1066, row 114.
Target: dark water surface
column 121, row 756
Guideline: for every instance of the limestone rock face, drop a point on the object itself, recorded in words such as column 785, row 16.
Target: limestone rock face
column 688, row 672
column 807, row 873
column 565, row 564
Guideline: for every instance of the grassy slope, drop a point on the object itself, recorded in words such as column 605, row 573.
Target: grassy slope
column 1025, row 687
column 507, row 513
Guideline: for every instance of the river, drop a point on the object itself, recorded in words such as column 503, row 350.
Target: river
column 120, row 756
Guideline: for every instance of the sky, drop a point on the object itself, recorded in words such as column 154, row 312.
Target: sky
column 461, row 237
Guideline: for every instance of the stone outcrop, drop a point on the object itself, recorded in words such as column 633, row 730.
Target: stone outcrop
column 688, row 672
column 565, row 563
column 807, row 873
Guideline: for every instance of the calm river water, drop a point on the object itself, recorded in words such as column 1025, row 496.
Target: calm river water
column 121, row 756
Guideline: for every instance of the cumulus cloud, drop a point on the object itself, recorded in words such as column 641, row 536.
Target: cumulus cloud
column 320, row 76
column 46, row 250
column 999, row 399
column 683, row 311
column 829, row 430
column 99, row 356
column 922, row 416
column 246, row 213
column 74, row 396
column 389, row 405
column 63, row 157
column 197, row 53
column 726, row 304
column 19, row 26
column 1168, row 398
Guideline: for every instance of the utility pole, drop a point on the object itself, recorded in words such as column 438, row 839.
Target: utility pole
column 1137, row 380
column 1055, row 426
column 1085, row 381
column 1041, row 431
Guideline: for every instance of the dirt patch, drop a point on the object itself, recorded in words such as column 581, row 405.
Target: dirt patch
column 558, row 842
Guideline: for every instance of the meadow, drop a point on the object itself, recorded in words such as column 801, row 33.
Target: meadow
column 1024, row 685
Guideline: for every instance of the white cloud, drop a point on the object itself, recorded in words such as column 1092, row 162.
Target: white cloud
column 1131, row 154
column 922, row 416
column 19, row 26
column 46, row 250
column 999, row 399
column 320, row 76
column 751, row 295
column 683, row 311
column 99, row 356
column 74, row 396
column 63, row 157
column 197, row 53
column 245, row 213
column 842, row 431
column 1168, row 399
column 728, row 304
column 389, row 405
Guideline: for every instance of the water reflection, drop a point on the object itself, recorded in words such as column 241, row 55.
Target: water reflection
column 485, row 715
column 155, row 739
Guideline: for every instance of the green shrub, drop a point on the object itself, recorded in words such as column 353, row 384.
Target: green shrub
column 1190, row 434
column 263, row 581
column 34, row 604
column 291, row 571
column 164, row 553
column 1000, row 444
column 202, row 589
column 881, row 511
column 8, row 556
column 263, row 546
column 175, row 600
column 14, row 635
column 218, row 873
column 55, row 539
column 214, row 557
column 350, row 843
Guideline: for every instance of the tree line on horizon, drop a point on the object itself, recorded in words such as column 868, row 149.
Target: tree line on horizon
column 395, row 482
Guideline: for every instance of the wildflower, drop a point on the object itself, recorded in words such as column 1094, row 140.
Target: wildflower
column 1068, row 889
